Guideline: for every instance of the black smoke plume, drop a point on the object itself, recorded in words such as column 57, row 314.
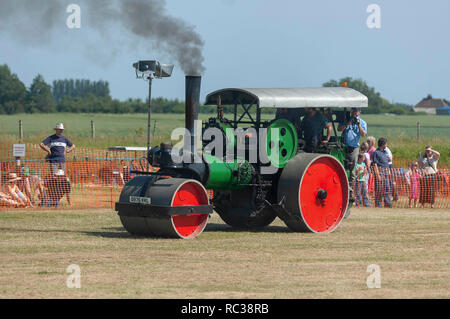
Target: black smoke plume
column 35, row 22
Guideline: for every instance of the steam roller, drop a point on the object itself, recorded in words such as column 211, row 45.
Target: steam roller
column 257, row 174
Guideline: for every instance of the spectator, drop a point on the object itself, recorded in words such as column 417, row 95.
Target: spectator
column 6, row 199
column 364, row 149
column 380, row 164
column 55, row 187
column 388, row 153
column 293, row 115
column 312, row 127
column 371, row 142
column 392, row 181
column 360, row 182
column 134, row 166
column 367, row 176
column 56, row 146
column 13, row 190
column 412, row 178
column 23, row 172
column 37, row 185
column 125, row 171
column 328, row 114
column 352, row 130
column 428, row 164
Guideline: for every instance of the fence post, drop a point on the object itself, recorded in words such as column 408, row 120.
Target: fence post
column 20, row 130
column 154, row 128
column 418, row 130
column 92, row 129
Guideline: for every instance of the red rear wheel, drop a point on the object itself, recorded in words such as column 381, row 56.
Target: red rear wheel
column 315, row 192
column 323, row 194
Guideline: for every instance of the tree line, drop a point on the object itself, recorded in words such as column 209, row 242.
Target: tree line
column 71, row 95
column 377, row 104
column 86, row 96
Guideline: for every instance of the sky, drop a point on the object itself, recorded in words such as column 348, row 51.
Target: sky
column 251, row 44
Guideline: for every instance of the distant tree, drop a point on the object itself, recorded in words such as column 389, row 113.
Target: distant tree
column 377, row 104
column 78, row 88
column 40, row 97
column 375, row 100
column 13, row 93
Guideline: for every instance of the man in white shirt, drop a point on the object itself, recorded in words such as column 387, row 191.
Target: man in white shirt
column 389, row 156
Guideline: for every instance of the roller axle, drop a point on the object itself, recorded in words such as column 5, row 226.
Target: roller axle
column 139, row 210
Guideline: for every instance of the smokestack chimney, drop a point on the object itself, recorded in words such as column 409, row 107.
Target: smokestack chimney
column 191, row 108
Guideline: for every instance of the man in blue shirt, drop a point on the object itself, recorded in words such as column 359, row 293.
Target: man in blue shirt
column 352, row 130
column 380, row 164
column 56, row 146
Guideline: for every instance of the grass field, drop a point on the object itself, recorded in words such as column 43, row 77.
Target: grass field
column 134, row 124
column 131, row 130
column 410, row 247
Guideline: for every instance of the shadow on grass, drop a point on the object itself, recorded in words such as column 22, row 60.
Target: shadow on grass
column 120, row 232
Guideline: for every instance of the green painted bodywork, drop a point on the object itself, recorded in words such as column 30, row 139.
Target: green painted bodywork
column 339, row 154
column 283, row 133
column 227, row 175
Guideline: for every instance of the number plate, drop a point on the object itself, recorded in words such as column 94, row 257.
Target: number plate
column 140, row 200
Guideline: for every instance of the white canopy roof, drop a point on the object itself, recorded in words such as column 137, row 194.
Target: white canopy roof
column 126, row 148
column 290, row 98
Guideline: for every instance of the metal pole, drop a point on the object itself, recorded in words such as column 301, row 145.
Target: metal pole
column 154, row 127
column 149, row 115
column 92, row 129
column 20, row 129
column 418, row 130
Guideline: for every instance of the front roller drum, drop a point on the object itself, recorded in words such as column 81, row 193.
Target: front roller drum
column 170, row 192
column 313, row 191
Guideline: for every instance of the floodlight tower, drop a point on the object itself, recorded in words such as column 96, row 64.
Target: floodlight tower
column 148, row 70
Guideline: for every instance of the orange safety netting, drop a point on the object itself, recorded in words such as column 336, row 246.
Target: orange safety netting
column 95, row 181
column 400, row 187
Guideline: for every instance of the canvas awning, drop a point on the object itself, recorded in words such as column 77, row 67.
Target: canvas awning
column 290, row 97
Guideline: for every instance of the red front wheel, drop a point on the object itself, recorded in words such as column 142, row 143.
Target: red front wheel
column 168, row 192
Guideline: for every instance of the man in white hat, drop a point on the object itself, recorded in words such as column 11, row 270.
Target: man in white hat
column 56, row 146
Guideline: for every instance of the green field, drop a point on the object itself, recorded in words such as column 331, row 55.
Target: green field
column 410, row 246
column 131, row 129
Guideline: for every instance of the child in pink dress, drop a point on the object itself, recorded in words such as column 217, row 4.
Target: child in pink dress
column 412, row 177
